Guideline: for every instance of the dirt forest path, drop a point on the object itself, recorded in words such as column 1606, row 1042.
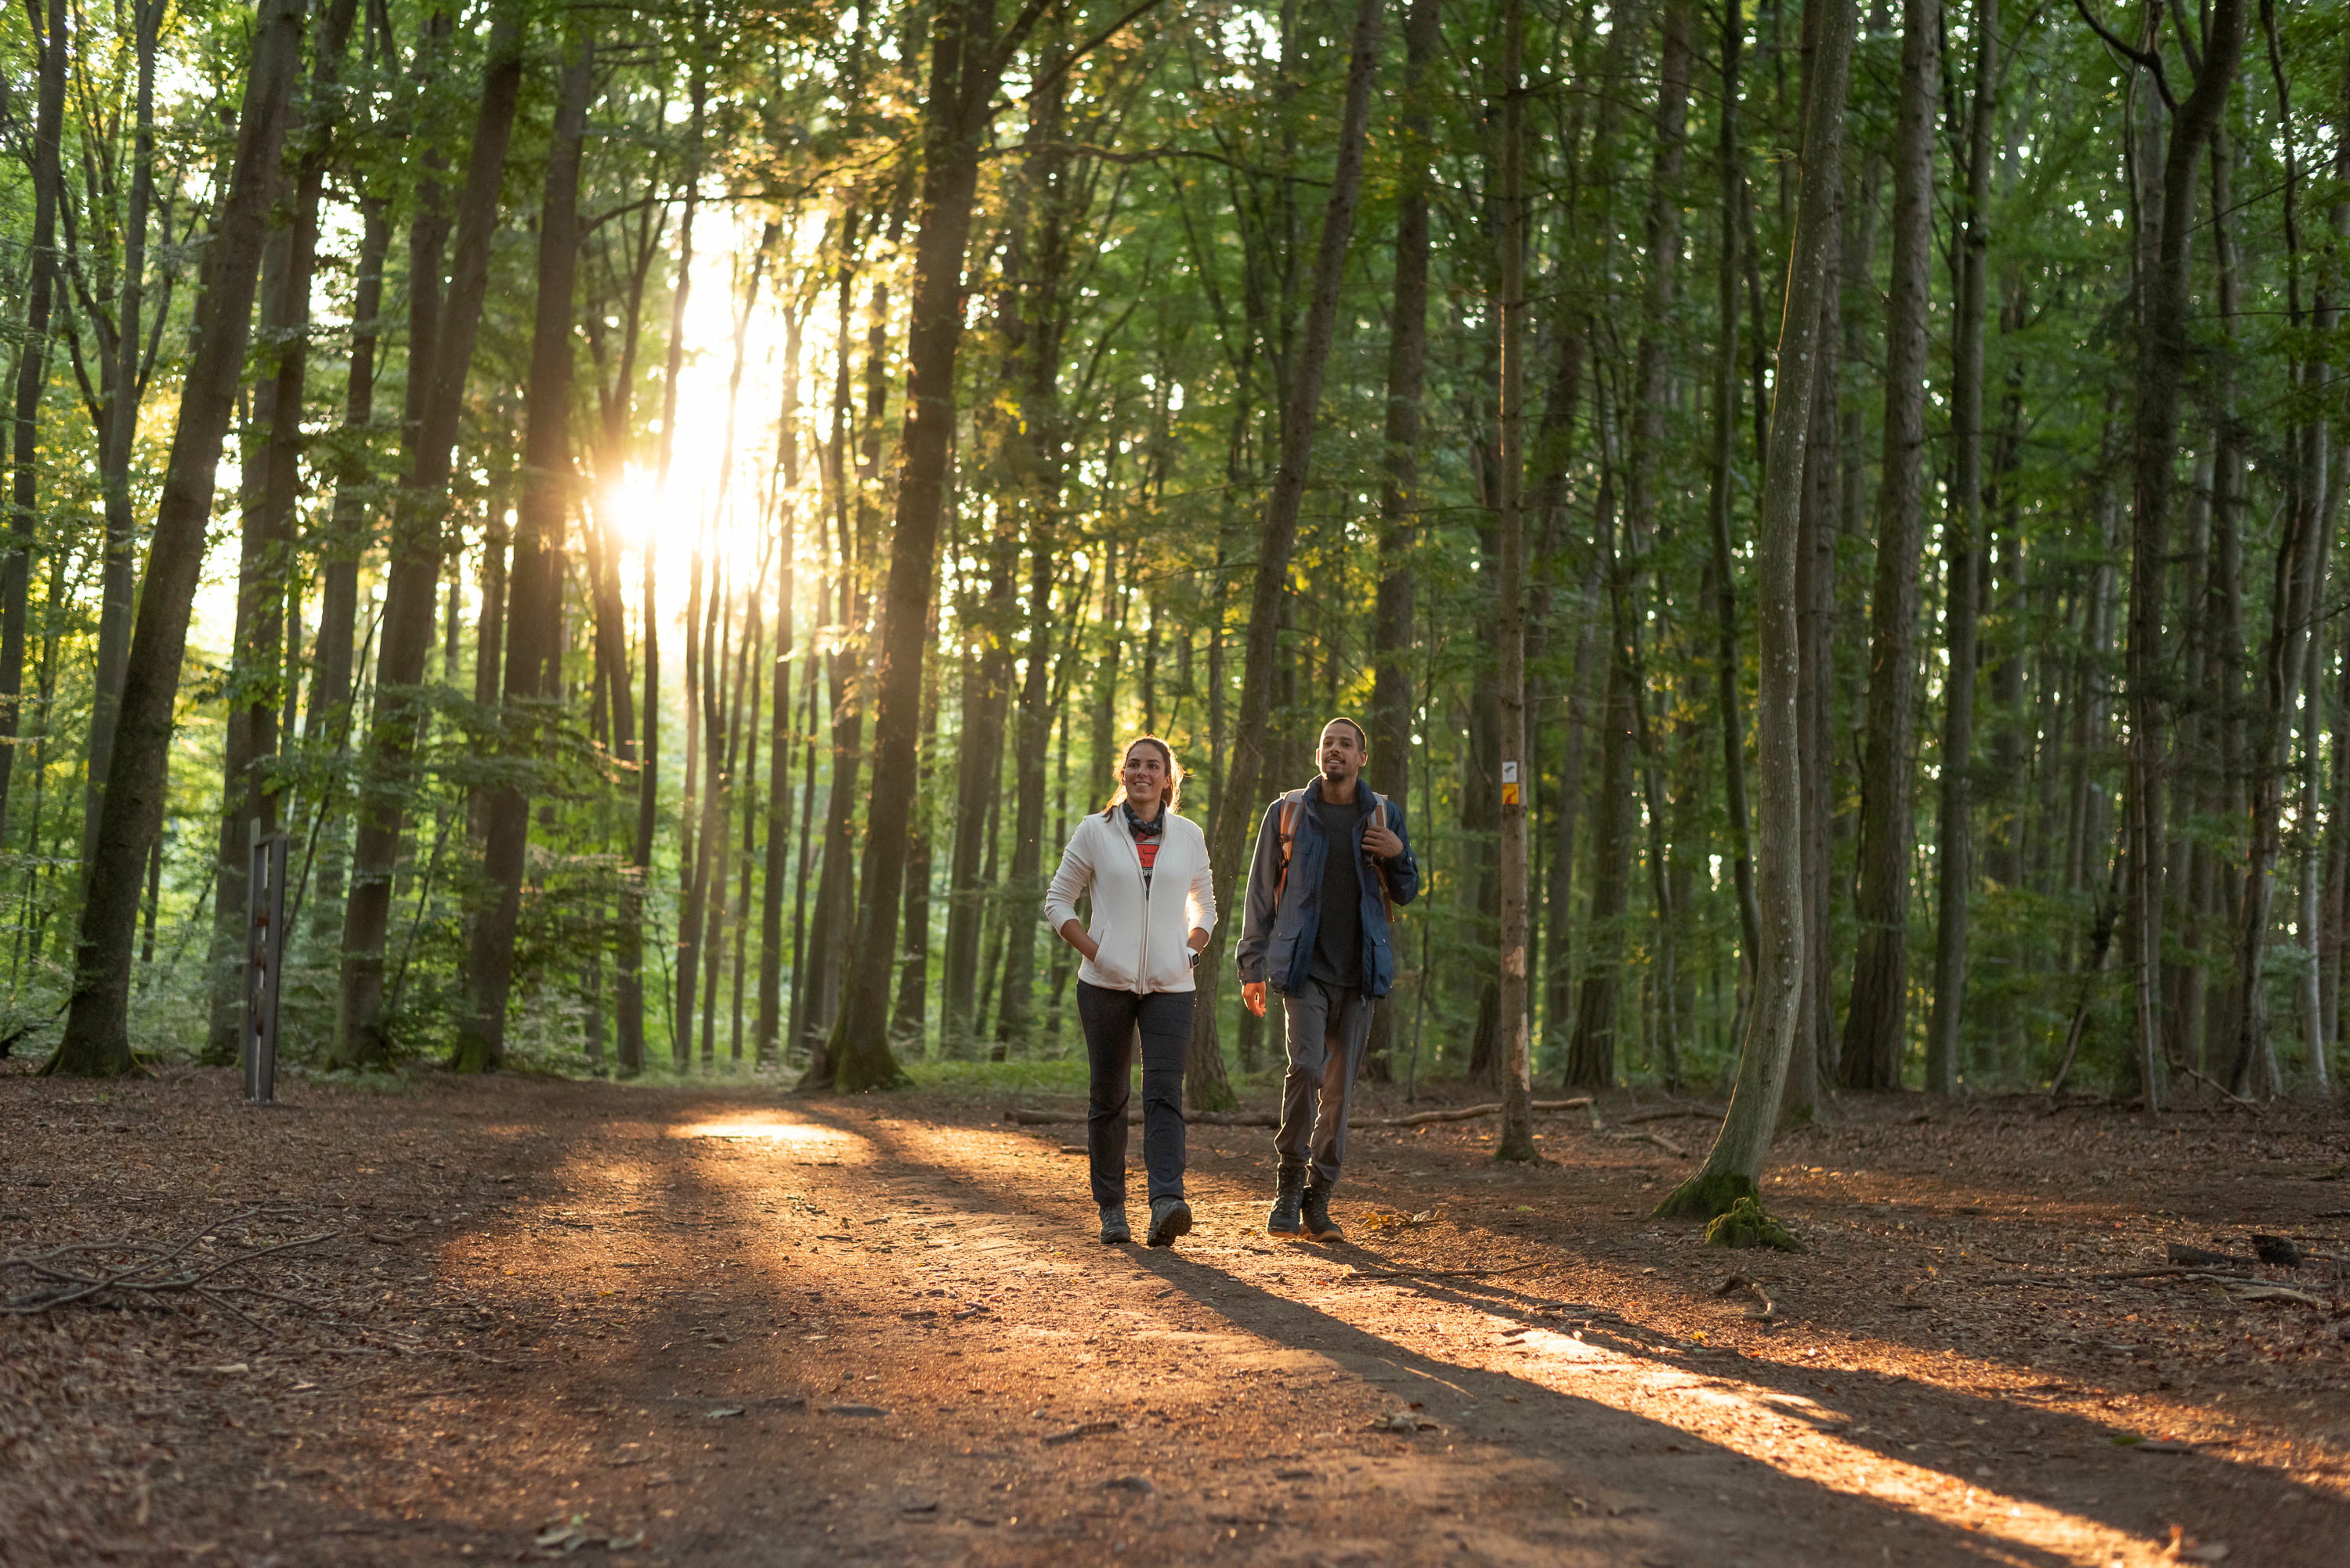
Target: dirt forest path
column 661, row 1326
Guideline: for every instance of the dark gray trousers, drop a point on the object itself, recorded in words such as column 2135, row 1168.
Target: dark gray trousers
column 1328, row 1027
column 1113, row 1022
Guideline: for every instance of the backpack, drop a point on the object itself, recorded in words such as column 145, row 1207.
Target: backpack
column 1291, row 800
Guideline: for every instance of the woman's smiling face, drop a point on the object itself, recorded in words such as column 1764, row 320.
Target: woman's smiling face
column 1144, row 776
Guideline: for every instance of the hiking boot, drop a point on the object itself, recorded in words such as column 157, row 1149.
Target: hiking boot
column 1169, row 1218
column 1115, row 1229
column 1283, row 1220
column 1319, row 1226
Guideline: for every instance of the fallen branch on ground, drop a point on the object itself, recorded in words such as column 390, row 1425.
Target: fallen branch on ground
column 2222, row 1087
column 1738, row 1283
column 1026, row 1117
column 1660, row 1140
column 1708, row 1113
column 110, row 1272
column 1436, row 1273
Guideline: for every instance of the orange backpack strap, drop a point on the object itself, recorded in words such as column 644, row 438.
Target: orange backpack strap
column 1387, row 899
column 1290, row 800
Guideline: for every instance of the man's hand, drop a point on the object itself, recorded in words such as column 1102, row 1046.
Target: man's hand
column 1252, row 996
column 1382, row 842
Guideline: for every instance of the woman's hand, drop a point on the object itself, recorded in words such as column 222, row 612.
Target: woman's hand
column 1072, row 932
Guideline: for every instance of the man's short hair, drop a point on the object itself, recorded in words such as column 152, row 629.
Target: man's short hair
column 1362, row 740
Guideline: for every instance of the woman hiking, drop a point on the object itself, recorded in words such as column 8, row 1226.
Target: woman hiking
column 1153, row 907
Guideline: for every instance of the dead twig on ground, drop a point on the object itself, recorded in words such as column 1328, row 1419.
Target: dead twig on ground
column 124, row 1268
column 1707, row 1113
column 1764, row 1311
column 2223, row 1088
column 1436, row 1273
column 1022, row 1115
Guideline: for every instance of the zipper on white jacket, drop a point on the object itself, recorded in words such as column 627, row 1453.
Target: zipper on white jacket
column 1142, row 965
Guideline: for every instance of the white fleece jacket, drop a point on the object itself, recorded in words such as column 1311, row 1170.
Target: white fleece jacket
column 1143, row 939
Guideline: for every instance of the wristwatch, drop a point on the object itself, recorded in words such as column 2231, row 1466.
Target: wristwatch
column 1194, row 958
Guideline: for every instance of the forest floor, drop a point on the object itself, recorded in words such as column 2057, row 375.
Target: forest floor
column 651, row 1324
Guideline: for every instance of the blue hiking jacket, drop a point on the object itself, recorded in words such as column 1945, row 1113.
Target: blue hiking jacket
column 1277, row 943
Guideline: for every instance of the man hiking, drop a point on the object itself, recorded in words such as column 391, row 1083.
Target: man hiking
column 1331, row 860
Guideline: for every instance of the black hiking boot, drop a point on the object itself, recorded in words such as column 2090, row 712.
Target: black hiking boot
column 1115, row 1229
column 1319, row 1226
column 1283, row 1220
column 1169, row 1218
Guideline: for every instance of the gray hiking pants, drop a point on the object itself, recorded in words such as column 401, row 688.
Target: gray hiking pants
column 1328, row 1028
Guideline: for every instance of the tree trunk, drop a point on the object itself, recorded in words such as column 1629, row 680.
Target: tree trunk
column 1243, row 781
column 2161, row 365
column 1874, row 1035
column 119, row 586
column 32, row 375
column 774, row 872
column 1392, row 638
column 97, row 1041
column 1591, row 1053
column 967, row 61
column 440, row 358
column 1962, row 574
column 333, row 672
column 986, row 684
column 535, row 590
column 1037, row 471
column 1734, row 1164
column 1514, row 1016
column 1728, row 661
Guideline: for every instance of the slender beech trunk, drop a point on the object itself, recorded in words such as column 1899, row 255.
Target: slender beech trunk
column 272, row 456
column 1038, row 471
column 967, row 61
column 1591, row 1053
column 1728, row 661
column 397, row 727
column 1243, row 781
column 2162, row 351
column 775, row 873
column 332, row 674
column 97, row 1041
column 1399, row 498
column 130, row 365
column 986, row 685
column 910, row 1020
column 32, row 375
column 1874, row 1035
column 1962, row 576
column 1734, row 1164
column 535, row 583
column 1515, row 1015
column 702, row 810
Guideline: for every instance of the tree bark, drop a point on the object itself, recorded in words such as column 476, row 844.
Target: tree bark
column 1874, row 1033
column 397, row 729
column 131, row 366
column 32, row 375
column 1734, row 1164
column 2162, row 352
column 1038, row 446
column 534, row 584
column 1962, row 576
column 967, row 62
column 1243, row 781
column 1392, row 638
column 1514, row 1016
column 96, row 1040
column 1728, row 659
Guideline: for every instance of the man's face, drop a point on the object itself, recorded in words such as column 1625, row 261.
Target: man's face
column 1342, row 751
